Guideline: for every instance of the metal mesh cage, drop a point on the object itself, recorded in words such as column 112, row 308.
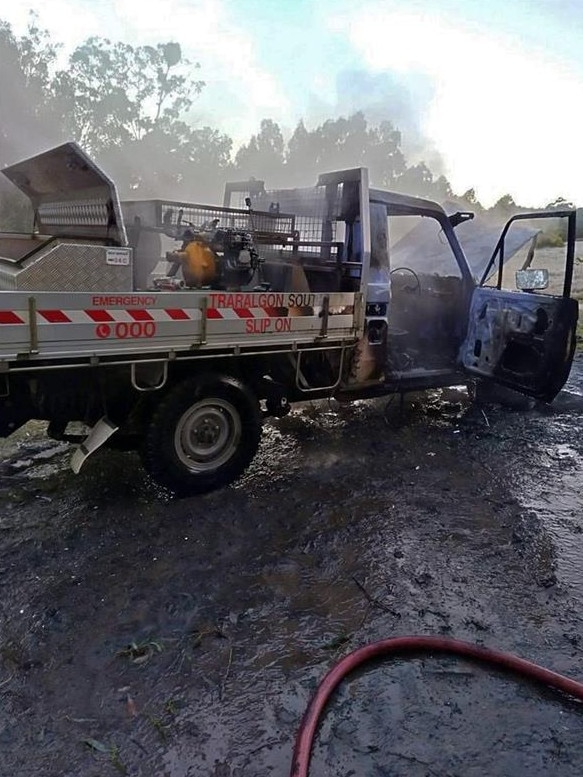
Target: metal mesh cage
column 304, row 222
column 315, row 209
column 267, row 228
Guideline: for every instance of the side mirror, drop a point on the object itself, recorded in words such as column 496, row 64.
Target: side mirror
column 460, row 217
column 532, row 280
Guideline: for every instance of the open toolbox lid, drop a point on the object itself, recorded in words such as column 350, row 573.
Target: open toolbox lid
column 71, row 196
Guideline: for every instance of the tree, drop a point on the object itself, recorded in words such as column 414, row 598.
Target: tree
column 345, row 142
column 302, row 155
column 416, row 180
column 122, row 104
column 24, row 98
column 263, row 156
column 126, row 105
column 174, row 161
column 471, row 199
column 505, row 205
column 560, row 203
column 37, row 55
column 118, row 93
column 25, row 92
column 384, row 156
column 556, row 229
column 442, row 190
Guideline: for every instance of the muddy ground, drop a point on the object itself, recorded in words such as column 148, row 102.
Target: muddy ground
column 142, row 635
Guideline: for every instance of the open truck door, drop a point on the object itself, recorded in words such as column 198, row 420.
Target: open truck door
column 523, row 339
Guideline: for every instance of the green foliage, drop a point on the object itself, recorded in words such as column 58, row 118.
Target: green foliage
column 37, row 54
column 24, row 88
column 553, row 238
column 263, row 156
column 560, row 203
column 442, row 189
column 472, row 201
column 174, row 161
column 118, row 93
column 128, row 106
column 346, row 142
column 416, row 180
column 505, row 206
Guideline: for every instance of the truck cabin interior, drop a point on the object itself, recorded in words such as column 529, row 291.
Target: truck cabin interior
column 429, row 299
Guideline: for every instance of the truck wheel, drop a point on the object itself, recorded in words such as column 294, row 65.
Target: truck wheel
column 203, row 435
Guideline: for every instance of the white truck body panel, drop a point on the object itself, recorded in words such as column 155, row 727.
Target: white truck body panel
column 48, row 325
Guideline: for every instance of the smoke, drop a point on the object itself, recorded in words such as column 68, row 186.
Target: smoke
column 401, row 99
column 24, row 129
column 194, row 164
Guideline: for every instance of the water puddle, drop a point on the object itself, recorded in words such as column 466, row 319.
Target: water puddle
column 549, row 478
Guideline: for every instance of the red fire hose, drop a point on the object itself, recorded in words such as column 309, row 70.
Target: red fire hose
column 308, row 726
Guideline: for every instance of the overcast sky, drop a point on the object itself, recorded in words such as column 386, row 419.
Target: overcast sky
column 490, row 92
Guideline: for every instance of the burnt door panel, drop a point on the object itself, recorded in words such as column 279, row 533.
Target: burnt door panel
column 522, row 340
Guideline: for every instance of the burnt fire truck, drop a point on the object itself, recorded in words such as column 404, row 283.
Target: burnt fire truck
column 174, row 329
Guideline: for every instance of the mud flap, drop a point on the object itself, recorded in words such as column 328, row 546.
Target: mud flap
column 99, row 434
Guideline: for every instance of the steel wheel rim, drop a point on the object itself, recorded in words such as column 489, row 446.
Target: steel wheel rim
column 207, row 435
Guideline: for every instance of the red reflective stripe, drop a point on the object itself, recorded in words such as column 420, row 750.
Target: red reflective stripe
column 140, row 315
column 243, row 312
column 213, row 313
column 275, row 312
column 177, row 315
column 8, row 317
column 55, row 316
column 99, row 316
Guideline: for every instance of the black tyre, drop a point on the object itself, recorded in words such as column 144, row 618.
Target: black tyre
column 202, row 435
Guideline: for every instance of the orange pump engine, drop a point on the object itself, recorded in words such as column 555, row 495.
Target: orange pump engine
column 216, row 257
column 199, row 264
